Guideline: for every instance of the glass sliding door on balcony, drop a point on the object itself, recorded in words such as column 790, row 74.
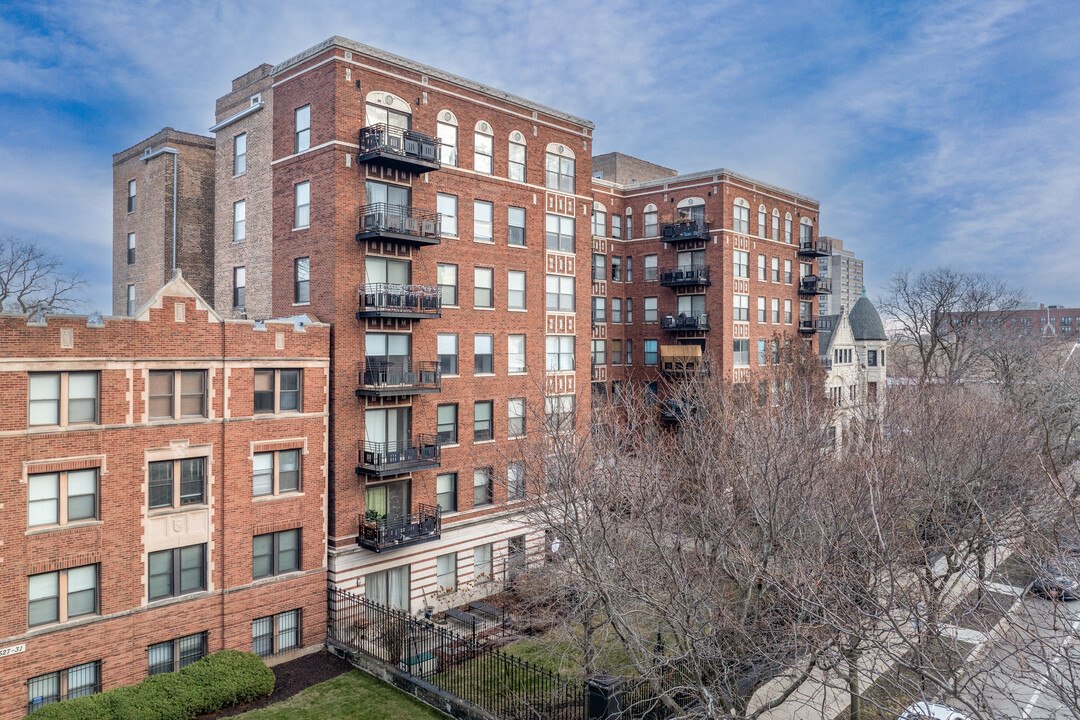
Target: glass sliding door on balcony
column 388, row 448
column 389, row 522
column 388, row 214
column 388, row 368
column 389, row 140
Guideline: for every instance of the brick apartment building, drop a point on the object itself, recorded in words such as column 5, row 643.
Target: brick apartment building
column 707, row 265
column 1046, row 321
column 477, row 265
column 158, row 503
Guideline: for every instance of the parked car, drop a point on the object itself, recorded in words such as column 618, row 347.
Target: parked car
column 932, row 711
column 1058, row 580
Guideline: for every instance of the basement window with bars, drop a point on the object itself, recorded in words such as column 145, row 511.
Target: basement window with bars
column 173, row 655
column 275, row 634
column 73, row 682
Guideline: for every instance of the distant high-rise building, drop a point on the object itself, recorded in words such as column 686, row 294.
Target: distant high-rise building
column 846, row 272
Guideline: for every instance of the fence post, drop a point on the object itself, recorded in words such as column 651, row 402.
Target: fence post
column 602, row 694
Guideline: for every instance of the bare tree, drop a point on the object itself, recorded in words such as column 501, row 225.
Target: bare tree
column 30, row 278
column 939, row 313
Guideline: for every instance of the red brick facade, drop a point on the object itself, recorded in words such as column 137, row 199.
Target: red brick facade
column 177, row 331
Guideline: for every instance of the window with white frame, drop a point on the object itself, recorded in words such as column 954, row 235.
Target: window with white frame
column 59, row 498
column 787, row 229
column 482, row 221
column 483, row 149
column 650, row 310
column 446, row 129
column 483, row 486
column 483, row 287
column 560, row 293
column 131, row 249
column 515, row 234
column 652, row 227
column 762, row 312
column 559, row 172
column 629, row 310
column 483, row 570
column 239, row 287
column 599, row 309
column 446, row 491
column 775, row 311
column 742, row 308
column 559, row 412
column 56, row 597
column 301, row 281
column 240, row 154
column 483, row 354
column 239, row 221
column 560, row 352
column 447, row 348
column 741, row 216
column 131, row 196
column 616, row 310
column 787, row 272
column 446, row 206
column 515, row 411
column 302, row 133
column 599, row 352
column 762, row 222
column 515, row 357
column 741, row 352
column 130, row 300
column 787, row 312
column 515, row 290
column 516, row 157
column 302, row 209
column 776, row 225
column 446, row 573
column 63, row 398
column 742, row 264
column 650, row 268
column 446, row 279
column 275, row 473
column 776, row 269
column 559, row 233
column 515, row 479
column 599, row 222
column 616, row 225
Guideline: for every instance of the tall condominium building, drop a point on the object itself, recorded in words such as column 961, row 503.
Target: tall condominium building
column 477, row 267
column 164, row 493
column 846, row 272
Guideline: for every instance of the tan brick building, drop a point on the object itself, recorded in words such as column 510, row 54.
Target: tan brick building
column 158, row 503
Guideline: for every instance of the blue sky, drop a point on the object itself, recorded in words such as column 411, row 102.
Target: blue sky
column 931, row 132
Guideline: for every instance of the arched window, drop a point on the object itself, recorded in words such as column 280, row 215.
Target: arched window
column 691, row 209
column 559, row 168
column 387, row 109
column 629, row 224
column 806, row 232
column 740, row 221
column 516, row 156
column 447, row 130
column 787, row 228
column 483, row 148
column 599, row 220
column 652, row 227
column 776, row 225
column 762, row 222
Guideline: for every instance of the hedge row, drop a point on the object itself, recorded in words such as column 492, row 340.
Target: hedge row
column 217, row 681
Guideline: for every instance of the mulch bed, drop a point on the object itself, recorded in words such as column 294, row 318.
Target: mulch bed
column 292, row 677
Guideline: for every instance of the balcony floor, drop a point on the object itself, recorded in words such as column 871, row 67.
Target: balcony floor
column 394, row 160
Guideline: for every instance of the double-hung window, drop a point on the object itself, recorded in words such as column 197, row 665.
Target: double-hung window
column 652, row 227
column 483, row 490
column 616, row 310
column 483, row 287
column 483, row 571
column 62, row 497
column 302, row 133
column 787, row 311
column 787, row 272
column 741, row 350
column 62, row 595
column 447, row 348
column 616, row 352
column 275, row 553
column 650, row 310
column 559, row 412
column 599, row 352
column 239, row 282
column 177, row 571
column 775, row 305
column 177, row 394
column 616, row 225
column 515, row 226
column 277, row 391
column 517, row 158
column 446, row 278
column 446, row 206
column 742, row 308
column 483, row 422
column 301, row 281
column 599, row 223
column 599, row 267
column 176, row 483
column 762, row 313
column 131, row 196
column 446, row 424
column 483, row 151
column 483, row 354
column 515, row 290
column 63, row 398
column 446, row 491
column 629, row 310
column 776, row 270
column 515, row 357
column 515, row 479
column 446, row 573
column 302, row 207
column 651, row 351
column 560, row 293
column 559, row 173
column 275, row 473
column 559, row 233
column 650, row 268
column 482, row 221
column 448, row 134
column 762, row 222
column 240, row 154
column 616, row 269
column 515, row 411
column 239, row 221
column 131, row 249
column 560, row 352
column 742, row 264
column 599, row 309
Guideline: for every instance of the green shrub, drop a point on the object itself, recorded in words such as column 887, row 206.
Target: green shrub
column 217, row 681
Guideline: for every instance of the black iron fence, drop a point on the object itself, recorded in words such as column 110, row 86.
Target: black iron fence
column 462, row 665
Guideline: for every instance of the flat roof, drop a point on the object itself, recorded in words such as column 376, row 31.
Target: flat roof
column 717, row 173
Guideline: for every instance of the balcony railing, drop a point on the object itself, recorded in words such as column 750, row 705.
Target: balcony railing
column 685, row 230
column 674, row 410
column 815, row 247
column 815, row 285
column 399, row 301
column 398, row 148
column 807, row 326
column 394, row 457
column 685, row 275
column 382, row 378
column 401, row 530
column 685, row 322
column 399, row 223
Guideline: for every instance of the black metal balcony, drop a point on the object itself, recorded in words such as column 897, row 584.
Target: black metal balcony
column 402, row 224
column 381, row 459
column 685, row 230
column 685, row 322
column 815, row 247
column 385, row 378
column 390, row 300
column 401, row 530
column 398, row 148
column 685, row 276
column 673, row 410
column 807, row 326
column 814, row 285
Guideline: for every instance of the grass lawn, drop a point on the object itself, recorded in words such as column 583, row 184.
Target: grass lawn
column 352, row 696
